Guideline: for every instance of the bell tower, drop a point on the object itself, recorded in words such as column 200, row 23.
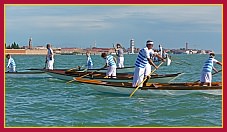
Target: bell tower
column 30, row 43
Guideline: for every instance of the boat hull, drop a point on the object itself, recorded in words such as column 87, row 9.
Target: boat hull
column 128, row 91
column 60, row 74
column 119, row 70
column 151, row 89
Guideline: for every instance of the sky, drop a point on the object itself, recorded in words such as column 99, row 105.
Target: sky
column 104, row 25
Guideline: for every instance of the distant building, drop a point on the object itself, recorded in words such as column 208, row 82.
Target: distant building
column 30, row 43
column 186, row 46
column 95, row 50
column 39, row 47
column 71, row 50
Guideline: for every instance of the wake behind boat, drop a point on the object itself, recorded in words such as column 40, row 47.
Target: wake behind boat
column 26, row 74
column 152, row 88
column 121, row 77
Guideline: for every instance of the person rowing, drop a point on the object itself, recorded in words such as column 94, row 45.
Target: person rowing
column 120, row 55
column 11, row 63
column 110, row 64
column 143, row 63
column 49, row 57
column 160, row 50
column 206, row 76
column 89, row 61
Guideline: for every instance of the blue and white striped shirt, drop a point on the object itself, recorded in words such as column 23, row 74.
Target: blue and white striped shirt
column 11, row 63
column 141, row 60
column 110, row 61
column 208, row 65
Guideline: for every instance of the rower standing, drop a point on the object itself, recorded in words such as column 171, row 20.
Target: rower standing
column 160, row 49
column 143, row 63
column 11, row 63
column 49, row 58
column 89, row 61
column 120, row 56
column 206, row 76
column 110, row 64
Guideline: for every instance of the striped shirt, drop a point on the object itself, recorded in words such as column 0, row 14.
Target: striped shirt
column 89, row 61
column 208, row 65
column 110, row 61
column 141, row 60
column 11, row 63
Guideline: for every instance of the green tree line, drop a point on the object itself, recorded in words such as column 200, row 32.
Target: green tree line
column 13, row 46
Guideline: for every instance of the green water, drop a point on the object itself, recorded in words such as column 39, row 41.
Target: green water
column 48, row 102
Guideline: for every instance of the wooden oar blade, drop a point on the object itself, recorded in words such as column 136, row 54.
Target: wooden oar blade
column 70, row 81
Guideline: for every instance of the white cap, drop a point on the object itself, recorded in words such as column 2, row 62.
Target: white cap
column 150, row 42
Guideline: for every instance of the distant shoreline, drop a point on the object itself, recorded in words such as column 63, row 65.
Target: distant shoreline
column 83, row 52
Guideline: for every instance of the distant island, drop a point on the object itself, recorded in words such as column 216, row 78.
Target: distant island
column 41, row 50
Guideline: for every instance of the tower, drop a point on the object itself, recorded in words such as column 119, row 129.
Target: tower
column 186, row 48
column 30, row 43
column 132, row 46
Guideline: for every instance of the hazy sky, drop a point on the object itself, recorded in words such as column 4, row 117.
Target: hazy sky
column 81, row 26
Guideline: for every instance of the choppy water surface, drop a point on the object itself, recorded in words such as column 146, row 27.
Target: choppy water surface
column 48, row 102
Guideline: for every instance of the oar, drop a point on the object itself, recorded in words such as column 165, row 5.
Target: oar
column 212, row 75
column 75, row 68
column 83, row 75
column 145, row 79
column 113, row 46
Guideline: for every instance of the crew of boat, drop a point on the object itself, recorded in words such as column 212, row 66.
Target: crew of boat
column 95, row 78
column 122, row 80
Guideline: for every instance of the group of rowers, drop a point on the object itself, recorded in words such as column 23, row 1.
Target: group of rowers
column 143, row 64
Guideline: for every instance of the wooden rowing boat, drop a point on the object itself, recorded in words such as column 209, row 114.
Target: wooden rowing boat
column 121, row 77
column 119, row 70
column 128, row 69
column 152, row 88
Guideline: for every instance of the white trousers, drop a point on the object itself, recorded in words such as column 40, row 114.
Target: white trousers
column 120, row 62
column 90, row 67
column 138, row 77
column 12, row 69
column 50, row 64
column 206, row 77
column 147, row 70
column 111, row 71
